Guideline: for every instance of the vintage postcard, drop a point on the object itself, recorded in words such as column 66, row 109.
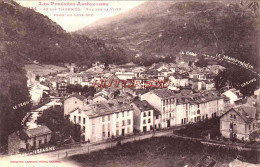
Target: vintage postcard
column 128, row 83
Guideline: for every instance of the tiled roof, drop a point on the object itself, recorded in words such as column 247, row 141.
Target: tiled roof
column 76, row 95
column 41, row 130
column 105, row 108
column 150, row 72
column 186, row 92
column 247, row 113
column 178, row 76
column 163, row 93
column 198, row 98
column 142, row 105
column 22, row 135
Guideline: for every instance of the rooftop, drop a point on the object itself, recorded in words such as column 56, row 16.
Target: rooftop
column 76, row 95
column 142, row 105
column 41, row 130
column 163, row 93
column 104, row 108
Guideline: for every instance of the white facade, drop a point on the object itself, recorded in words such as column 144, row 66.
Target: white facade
column 166, row 107
column 101, row 127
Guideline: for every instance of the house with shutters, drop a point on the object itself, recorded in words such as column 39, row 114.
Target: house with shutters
column 73, row 101
column 164, row 101
column 143, row 115
column 104, row 120
column 28, row 139
column 239, row 122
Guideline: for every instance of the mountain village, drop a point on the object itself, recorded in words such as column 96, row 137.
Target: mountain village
column 101, row 109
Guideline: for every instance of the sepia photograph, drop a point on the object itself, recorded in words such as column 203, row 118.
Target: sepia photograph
column 129, row 83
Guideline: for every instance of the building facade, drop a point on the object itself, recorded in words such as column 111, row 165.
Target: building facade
column 102, row 121
column 28, row 139
column 238, row 122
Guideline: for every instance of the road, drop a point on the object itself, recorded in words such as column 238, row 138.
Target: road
column 59, row 155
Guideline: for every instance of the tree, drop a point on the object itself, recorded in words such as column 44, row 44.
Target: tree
column 202, row 62
column 13, row 91
column 77, row 88
column 70, row 88
column 54, row 119
column 236, row 77
column 116, row 93
column 89, row 91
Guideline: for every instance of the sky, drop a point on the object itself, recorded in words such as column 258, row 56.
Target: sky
column 78, row 19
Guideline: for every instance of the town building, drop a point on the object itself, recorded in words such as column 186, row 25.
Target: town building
column 233, row 95
column 143, row 116
column 62, row 88
column 72, row 102
column 164, row 101
column 75, row 79
column 28, row 139
column 178, row 80
column 239, row 122
column 102, row 121
column 195, row 84
column 207, row 85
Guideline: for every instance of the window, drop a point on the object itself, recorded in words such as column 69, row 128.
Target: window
column 104, row 134
column 128, row 113
column 108, row 134
column 123, row 123
column 231, row 126
column 128, row 121
column 93, row 129
column 144, row 114
column 157, row 116
column 149, row 113
column 75, row 102
column 144, row 122
column 40, row 142
column 84, row 120
column 231, row 116
column 84, row 128
column 45, row 141
column 123, row 114
column 128, row 130
column 79, row 119
column 103, row 118
column 249, row 127
column 74, row 119
column 117, row 132
column 108, row 117
column 117, row 115
column 235, row 117
column 198, row 112
column 117, row 124
column 149, row 120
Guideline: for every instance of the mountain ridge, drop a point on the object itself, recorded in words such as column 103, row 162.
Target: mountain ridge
column 201, row 27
